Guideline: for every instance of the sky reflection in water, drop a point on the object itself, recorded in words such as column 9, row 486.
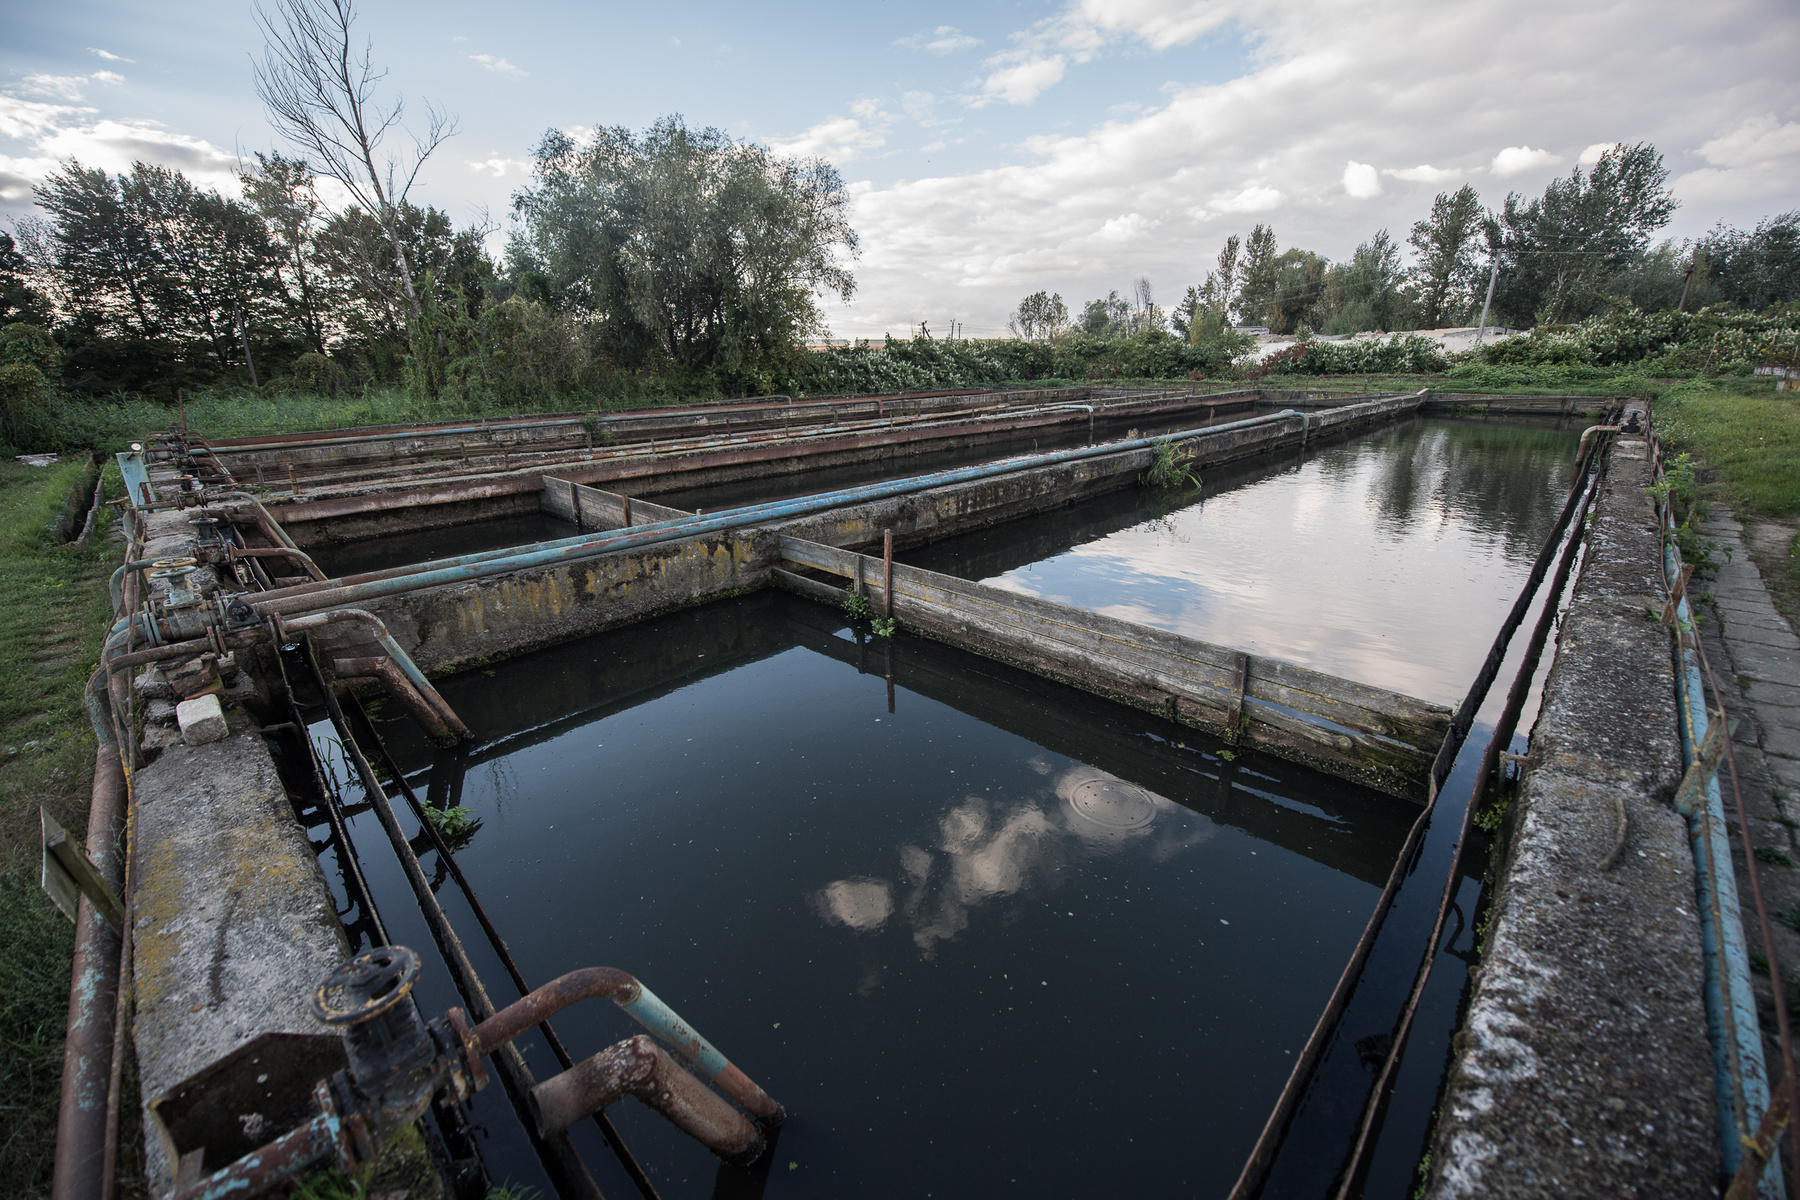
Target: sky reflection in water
column 1004, row 938
column 1390, row 560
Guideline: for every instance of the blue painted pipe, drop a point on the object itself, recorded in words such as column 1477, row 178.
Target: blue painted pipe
column 650, row 1012
column 466, row 568
column 1740, row 1074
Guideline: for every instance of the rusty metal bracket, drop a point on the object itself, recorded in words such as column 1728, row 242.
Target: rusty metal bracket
column 1234, row 710
column 68, row 875
column 1676, row 595
column 1690, row 796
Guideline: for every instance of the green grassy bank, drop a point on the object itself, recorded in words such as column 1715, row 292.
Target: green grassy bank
column 54, row 611
column 1746, row 436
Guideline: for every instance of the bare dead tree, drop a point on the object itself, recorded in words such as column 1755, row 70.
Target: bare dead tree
column 321, row 94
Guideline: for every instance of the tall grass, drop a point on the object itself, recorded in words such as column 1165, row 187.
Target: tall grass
column 54, row 611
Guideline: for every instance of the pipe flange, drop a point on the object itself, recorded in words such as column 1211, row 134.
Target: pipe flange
column 366, row 986
column 465, row 1036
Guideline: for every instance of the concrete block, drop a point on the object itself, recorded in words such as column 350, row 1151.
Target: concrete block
column 1775, row 637
column 1766, row 662
column 201, row 720
column 233, row 921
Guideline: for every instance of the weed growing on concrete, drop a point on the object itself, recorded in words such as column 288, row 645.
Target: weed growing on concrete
column 1170, row 470
column 1775, row 857
column 1492, row 815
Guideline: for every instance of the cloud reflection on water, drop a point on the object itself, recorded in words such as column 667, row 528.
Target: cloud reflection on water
column 985, row 849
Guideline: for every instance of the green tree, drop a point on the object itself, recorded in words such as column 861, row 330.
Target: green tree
column 685, row 246
column 1444, row 275
column 1299, row 285
column 159, row 267
column 1040, row 316
column 282, row 192
column 1259, row 281
column 19, row 301
column 1363, row 293
column 1562, row 254
column 1757, row 268
column 1109, row 317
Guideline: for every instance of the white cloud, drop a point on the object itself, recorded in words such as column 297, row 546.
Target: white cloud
column 499, row 65
column 919, row 105
column 1757, row 161
column 1594, row 153
column 1254, row 199
column 59, row 87
column 1128, row 228
column 1424, row 174
column 837, row 139
column 115, row 145
column 1022, row 82
column 108, row 55
column 1408, row 82
column 25, row 119
column 945, row 39
column 500, row 167
column 1759, row 141
column 1514, row 159
column 47, row 135
column 1361, row 181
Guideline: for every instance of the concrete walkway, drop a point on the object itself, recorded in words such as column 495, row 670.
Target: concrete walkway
column 1756, row 659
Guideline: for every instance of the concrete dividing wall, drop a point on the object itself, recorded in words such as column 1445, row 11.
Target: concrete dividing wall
column 1377, row 737
column 458, row 625
column 461, row 625
column 1583, row 1066
column 593, row 508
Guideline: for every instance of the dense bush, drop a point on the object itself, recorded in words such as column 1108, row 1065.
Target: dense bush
column 1361, row 356
column 1719, row 340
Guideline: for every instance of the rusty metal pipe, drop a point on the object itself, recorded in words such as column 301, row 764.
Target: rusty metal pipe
column 639, row 1067
column 81, row 1118
column 401, row 689
column 299, row 556
column 400, row 657
column 648, row 1010
column 320, row 1139
column 1590, row 431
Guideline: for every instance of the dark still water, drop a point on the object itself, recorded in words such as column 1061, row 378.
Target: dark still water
column 991, row 937
column 404, row 549
column 1389, row 559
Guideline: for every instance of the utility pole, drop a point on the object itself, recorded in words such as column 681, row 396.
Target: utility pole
column 1689, row 279
column 1489, row 302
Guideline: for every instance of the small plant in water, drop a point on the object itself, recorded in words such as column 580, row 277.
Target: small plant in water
column 884, row 626
column 857, row 607
column 457, row 825
column 1170, row 469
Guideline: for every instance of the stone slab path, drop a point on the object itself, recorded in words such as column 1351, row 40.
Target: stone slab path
column 1755, row 657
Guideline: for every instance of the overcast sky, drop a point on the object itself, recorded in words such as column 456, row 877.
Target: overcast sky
column 994, row 148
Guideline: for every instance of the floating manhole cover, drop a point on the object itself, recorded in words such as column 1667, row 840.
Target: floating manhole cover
column 1112, row 803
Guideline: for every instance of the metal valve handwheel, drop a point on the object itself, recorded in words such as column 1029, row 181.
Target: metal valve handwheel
column 366, row 986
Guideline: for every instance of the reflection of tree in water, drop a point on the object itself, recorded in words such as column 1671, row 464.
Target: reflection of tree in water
column 985, row 850
column 1507, row 480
